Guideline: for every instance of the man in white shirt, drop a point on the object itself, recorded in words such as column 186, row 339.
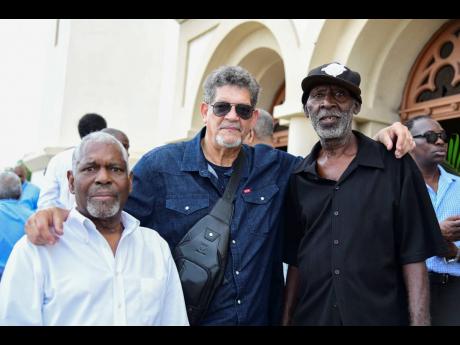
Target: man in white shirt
column 55, row 190
column 107, row 270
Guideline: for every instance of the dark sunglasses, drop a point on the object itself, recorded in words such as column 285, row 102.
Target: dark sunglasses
column 223, row 108
column 431, row 137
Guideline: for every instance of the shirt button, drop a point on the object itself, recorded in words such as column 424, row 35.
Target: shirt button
column 334, row 306
column 237, row 272
column 336, row 213
column 211, row 234
column 337, row 187
column 262, row 198
column 119, row 305
column 233, row 242
column 336, row 241
column 238, row 301
column 187, row 208
column 336, row 272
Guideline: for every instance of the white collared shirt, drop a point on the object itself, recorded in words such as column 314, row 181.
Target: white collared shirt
column 55, row 190
column 79, row 281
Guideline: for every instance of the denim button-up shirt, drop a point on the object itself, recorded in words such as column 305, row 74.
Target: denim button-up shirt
column 173, row 188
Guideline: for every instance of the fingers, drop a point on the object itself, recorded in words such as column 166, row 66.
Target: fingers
column 32, row 232
column 45, row 226
column 404, row 143
column 58, row 217
column 35, row 230
column 386, row 139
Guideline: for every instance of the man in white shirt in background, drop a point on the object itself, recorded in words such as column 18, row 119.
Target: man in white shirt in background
column 107, row 270
column 55, row 191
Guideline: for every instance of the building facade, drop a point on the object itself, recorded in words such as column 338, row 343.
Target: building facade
column 145, row 76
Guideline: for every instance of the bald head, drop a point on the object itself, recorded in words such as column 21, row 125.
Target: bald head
column 121, row 137
column 10, row 185
column 262, row 132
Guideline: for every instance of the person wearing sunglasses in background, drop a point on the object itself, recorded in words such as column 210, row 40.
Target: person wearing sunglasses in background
column 178, row 184
column 444, row 189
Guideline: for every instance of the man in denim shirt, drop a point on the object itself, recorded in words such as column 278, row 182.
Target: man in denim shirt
column 177, row 184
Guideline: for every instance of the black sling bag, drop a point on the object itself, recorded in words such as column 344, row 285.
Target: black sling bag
column 201, row 254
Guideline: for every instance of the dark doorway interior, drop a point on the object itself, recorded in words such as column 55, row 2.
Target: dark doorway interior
column 451, row 126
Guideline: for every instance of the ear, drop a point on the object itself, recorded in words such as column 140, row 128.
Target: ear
column 250, row 137
column 357, row 108
column 255, row 116
column 204, row 112
column 130, row 177
column 71, row 180
column 305, row 111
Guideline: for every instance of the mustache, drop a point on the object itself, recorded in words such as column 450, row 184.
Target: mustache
column 322, row 113
column 234, row 125
column 95, row 189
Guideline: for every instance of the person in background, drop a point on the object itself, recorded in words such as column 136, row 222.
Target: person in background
column 444, row 190
column 13, row 215
column 119, row 135
column 55, row 190
column 30, row 192
column 262, row 132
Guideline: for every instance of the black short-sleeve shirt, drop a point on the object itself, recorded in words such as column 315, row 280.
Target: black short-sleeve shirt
column 350, row 238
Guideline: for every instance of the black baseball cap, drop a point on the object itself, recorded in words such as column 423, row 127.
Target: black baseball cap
column 332, row 73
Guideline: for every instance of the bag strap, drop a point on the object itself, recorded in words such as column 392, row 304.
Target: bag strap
column 223, row 209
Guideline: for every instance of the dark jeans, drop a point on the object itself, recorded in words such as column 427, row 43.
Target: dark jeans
column 444, row 299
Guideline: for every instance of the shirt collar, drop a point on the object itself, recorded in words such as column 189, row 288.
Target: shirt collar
column 369, row 154
column 445, row 176
column 79, row 221
column 194, row 160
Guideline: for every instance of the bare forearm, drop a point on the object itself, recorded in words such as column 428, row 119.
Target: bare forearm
column 291, row 294
column 417, row 285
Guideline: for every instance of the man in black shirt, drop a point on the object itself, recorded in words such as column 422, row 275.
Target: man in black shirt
column 360, row 223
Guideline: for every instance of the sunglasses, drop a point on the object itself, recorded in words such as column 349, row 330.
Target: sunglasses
column 244, row 111
column 431, row 137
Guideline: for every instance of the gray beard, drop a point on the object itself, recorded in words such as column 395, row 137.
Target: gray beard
column 221, row 142
column 338, row 131
column 102, row 209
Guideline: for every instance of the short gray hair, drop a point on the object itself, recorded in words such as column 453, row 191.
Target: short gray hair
column 264, row 125
column 10, row 185
column 97, row 137
column 233, row 76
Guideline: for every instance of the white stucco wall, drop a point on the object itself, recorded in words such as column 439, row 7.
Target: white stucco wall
column 123, row 70
column 32, row 69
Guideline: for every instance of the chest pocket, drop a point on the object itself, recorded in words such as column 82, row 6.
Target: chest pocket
column 258, row 208
column 188, row 204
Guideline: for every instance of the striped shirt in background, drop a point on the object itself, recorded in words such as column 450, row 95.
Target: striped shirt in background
column 446, row 203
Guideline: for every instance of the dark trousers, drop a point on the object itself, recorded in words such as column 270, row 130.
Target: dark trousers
column 444, row 299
